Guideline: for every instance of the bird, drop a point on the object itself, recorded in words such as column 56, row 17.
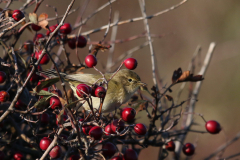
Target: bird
column 120, row 89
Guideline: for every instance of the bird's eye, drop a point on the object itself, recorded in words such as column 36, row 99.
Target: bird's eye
column 129, row 80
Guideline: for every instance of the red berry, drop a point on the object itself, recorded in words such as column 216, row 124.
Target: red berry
column 55, row 152
column 82, row 42
column 213, row 127
column 170, row 146
column 45, row 59
column 128, row 114
column 96, row 132
column 75, row 157
column 100, row 92
column 108, row 150
column 2, row 76
column 108, row 130
column 117, row 158
column 82, row 90
column 90, row 61
column 188, row 149
column 37, row 37
column 36, row 27
column 130, row 154
column 52, row 28
column 44, row 143
column 117, row 125
column 86, row 129
column 34, row 77
column 66, row 28
column 4, row 96
column 140, row 129
column 130, row 63
column 57, row 102
column 18, row 156
column 45, row 89
column 72, row 43
column 19, row 104
column 17, row 15
column 45, row 118
column 2, row 155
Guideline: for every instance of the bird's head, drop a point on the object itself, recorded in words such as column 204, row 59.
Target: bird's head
column 129, row 79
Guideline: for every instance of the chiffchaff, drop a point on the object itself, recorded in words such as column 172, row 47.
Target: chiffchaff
column 120, row 88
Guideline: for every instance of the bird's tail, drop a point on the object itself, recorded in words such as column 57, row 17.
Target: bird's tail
column 51, row 73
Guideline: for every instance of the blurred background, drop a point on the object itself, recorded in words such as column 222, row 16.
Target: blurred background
column 197, row 22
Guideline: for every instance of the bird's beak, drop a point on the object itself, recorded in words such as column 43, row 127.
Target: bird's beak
column 141, row 83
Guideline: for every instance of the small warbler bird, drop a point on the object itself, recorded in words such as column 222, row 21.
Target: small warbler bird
column 120, row 88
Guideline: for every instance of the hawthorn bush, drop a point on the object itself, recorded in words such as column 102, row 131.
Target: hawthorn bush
column 42, row 121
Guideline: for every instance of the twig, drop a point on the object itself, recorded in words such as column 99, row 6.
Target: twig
column 224, row 146
column 9, row 28
column 90, row 16
column 113, row 38
column 153, row 60
column 135, row 19
column 194, row 97
column 54, row 142
column 129, row 53
column 197, row 51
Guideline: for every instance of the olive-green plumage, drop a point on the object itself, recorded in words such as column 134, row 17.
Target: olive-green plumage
column 120, row 88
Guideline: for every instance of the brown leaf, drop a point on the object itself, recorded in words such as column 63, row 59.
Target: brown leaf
column 70, row 95
column 169, row 98
column 63, row 101
column 60, row 117
column 43, row 24
column 176, row 75
column 196, row 78
column 42, row 16
column 8, row 13
column 185, row 75
column 33, row 18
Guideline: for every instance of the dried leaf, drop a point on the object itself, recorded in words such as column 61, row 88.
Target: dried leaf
column 46, row 83
column 176, row 75
column 42, row 16
column 60, row 117
column 196, row 78
column 185, row 75
column 169, row 98
column 139, row 105
column 43, row 24
column 8, row 13
column 70, row 95
column 42, row 103
column 63, row 101
column 33, row 18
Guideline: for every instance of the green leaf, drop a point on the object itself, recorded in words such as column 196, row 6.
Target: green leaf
column 42, row 103
column 72, row 105
column 46, row 93
column 25, row 96
column 33, row 18
column 23, row 60
column 46, row 83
